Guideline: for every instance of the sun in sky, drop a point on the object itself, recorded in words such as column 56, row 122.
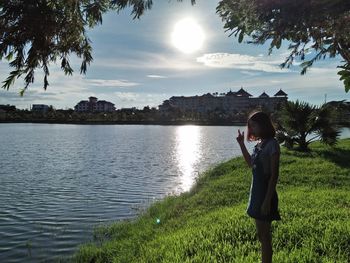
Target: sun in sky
column 187, row 36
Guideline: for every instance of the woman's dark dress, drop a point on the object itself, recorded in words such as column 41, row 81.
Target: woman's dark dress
column 261, row 162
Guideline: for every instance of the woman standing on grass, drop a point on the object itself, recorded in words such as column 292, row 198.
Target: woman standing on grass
column 264, row 161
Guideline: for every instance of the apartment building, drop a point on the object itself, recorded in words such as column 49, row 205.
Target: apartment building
column 231, row 102
column 94, row 105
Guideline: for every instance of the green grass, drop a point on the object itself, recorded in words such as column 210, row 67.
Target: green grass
column 209, row 223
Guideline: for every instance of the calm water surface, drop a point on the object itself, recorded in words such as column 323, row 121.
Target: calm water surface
column 58, row 182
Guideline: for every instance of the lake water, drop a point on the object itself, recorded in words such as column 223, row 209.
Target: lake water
column 58, row 182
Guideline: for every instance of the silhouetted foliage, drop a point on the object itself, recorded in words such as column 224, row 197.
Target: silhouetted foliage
column 35, row 33
column 301, row 123
column 315, row 29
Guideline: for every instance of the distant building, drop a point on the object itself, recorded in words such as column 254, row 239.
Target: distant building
column 231, row 102
column 264, row 95
column 40, row 108
column 7, row 108
column 104, row 106
column 281, row 93
column 82, row 106
column 94, row 105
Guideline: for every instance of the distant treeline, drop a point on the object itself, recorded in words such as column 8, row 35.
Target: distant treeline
column 128, row 116
column 146, row 115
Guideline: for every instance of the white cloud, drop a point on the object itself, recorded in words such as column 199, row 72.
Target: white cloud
column 63, row 91
column 127, row 96
column 153, row 61
column 156, row 77
column 250, row 73
column 132, row 99
column 111, row 83
column 237, row 61
column 311, row 87
column 317, row 70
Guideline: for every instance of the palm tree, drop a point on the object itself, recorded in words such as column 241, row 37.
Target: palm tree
column 301, row 123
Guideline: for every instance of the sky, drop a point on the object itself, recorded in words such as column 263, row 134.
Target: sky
column 137, row 64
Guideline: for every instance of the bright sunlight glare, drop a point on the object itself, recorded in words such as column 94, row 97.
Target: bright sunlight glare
column 187, row 36
column 188, row 153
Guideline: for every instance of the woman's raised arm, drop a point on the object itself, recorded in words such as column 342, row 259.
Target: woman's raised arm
column 246, row 155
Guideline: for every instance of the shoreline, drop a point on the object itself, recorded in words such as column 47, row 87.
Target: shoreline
column 220, row 226
column 163, row 123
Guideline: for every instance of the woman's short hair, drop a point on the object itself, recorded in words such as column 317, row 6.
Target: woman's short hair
column 267, row 130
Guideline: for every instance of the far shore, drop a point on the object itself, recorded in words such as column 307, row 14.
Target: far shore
column 165, row 123
column 133, row 122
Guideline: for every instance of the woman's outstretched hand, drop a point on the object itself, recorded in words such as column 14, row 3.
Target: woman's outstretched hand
column 240, row 137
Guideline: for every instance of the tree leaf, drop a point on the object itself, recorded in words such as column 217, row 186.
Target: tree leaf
column 240, row 38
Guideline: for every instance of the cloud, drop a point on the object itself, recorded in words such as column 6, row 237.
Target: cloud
column 250, row 73
column 127, row 96
column 321, row 71
column 311, row 87
column 63, row 91
column 111, row 83
column 156, row 77
column 237, row 61
column 132, row 99
column 30, row 95
column 152, row 61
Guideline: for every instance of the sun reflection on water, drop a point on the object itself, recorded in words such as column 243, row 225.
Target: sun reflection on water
column 188, row 153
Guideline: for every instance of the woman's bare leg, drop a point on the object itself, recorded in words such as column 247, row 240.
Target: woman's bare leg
column 264, row 233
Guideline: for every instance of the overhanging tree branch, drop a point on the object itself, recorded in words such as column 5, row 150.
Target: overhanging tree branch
column 35, row 33
column 324, row 25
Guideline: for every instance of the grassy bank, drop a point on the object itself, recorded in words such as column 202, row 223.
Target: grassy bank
column 209, row 223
